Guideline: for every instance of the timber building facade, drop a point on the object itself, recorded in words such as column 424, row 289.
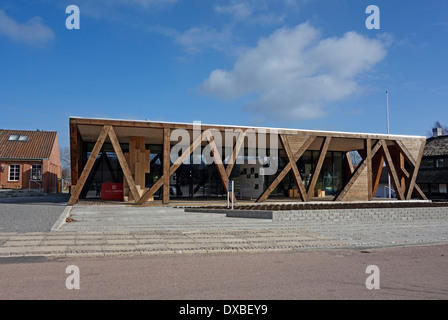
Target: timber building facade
column 133, row 161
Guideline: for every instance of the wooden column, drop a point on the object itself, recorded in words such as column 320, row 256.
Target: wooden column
column 377, row 168
column 75, row 153
column 323, row 152
column 369, row 168
column 166, row 165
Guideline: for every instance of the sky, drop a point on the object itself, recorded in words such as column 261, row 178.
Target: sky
column 302, row 64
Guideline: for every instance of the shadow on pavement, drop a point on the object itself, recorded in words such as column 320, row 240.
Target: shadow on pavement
column 61, row 198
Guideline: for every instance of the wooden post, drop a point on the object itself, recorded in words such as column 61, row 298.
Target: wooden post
column 316, row 173
column 377, row 168
column 369, row 168
column 166, row 165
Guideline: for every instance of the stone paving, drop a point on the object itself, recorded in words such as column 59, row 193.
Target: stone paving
column 126, row 230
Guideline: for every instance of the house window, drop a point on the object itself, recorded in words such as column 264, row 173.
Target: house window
column 16, row 137
column 424, row 187
column 36, row 172
column 434, row 188
column 14, row 172
column 439, row 163
column 442, row 188
column 427, row 163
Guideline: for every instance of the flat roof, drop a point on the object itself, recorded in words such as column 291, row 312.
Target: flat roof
column 189, row 126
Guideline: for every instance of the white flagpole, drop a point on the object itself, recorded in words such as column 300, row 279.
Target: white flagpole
column 387, row 118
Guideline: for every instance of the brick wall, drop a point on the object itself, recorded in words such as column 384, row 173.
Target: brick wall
column 373, row 214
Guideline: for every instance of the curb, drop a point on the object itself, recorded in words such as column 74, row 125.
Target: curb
column 62, row 219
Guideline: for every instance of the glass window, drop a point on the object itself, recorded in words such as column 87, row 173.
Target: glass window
column 434, row 188
column 442, row 188
column 424, row 187
column 14, row 172
column 427, row 163
column 13, row 137
column 16, row 137
column 439, row 163
column 445, row 163
column 36, row 172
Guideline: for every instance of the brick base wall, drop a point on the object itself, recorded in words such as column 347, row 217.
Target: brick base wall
column 374, row 214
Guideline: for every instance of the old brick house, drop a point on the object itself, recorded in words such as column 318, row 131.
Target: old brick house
column 29, row 160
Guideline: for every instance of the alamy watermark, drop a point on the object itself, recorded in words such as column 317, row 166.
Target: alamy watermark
column 73, row 280
column 73, row 20
column 373, row 280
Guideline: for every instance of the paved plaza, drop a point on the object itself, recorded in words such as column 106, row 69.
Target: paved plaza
column 89, row 230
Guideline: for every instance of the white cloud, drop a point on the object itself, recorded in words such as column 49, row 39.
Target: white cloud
column 258, row 12
column 294, row 73
column 197, row 39
column 240, row 10
column 32, row 32
column 143, row 3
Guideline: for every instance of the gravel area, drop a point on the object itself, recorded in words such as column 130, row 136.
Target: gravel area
column 31, row 214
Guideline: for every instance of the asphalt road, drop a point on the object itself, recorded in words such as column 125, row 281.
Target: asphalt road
column 416, row 273
column 31, row 214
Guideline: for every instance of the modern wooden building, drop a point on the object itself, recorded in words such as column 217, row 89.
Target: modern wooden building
column 143, row 161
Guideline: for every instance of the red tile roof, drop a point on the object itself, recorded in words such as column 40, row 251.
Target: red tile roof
column 38, row 145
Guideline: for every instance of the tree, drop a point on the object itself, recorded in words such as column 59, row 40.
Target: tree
column 65, row 162
column 437, row 124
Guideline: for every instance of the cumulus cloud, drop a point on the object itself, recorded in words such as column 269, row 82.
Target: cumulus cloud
column 294, row 73
column 32, row 32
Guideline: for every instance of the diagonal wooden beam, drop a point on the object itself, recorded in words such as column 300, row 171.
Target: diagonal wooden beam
column 358, row 170
column 349, row 162
column 419, row 192
column 295, row 170
column 286, row 169
column 239, row 142
column 320, row 162
column 124, row 164
column 88, row 167
column 402, row 148
column 412, row 183
column 392, row 172
column 159, row 183
column 218, row 161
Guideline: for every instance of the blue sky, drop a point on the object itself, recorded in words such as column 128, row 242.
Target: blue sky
column 305, row 64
